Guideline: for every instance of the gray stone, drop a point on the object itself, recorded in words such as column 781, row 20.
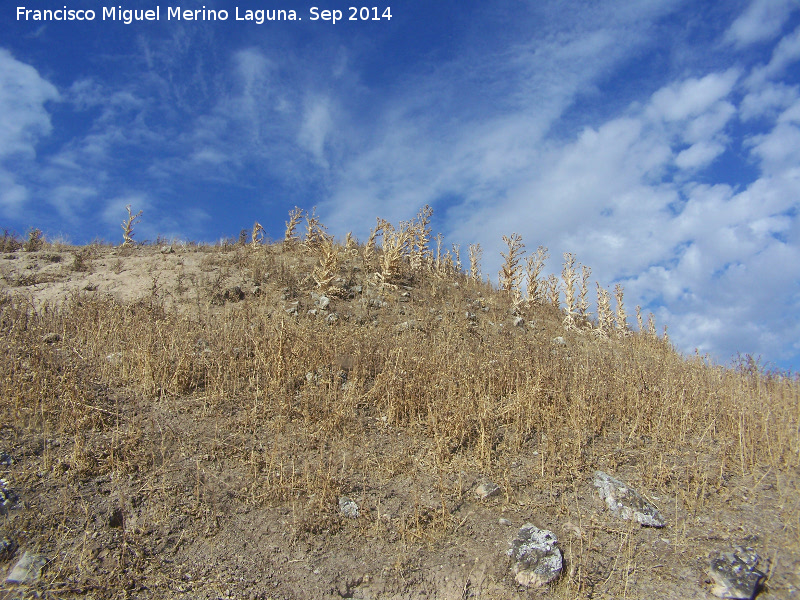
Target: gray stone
column 7, row 497
column 5, row 459
column 348, row 507
column 735, row 575
column 331, row 318
column 504, row 522
column 519, row 322
column 625, row 502
column 487, row 490
column 51, row 338
column 559, row 341
column 167, row 250
column 537, row 559
column 27, row 570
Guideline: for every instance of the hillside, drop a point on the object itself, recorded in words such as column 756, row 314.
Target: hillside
column 202, row 421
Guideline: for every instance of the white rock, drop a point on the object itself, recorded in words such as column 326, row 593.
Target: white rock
column 487, row 490
column 27, row 570
column 348, row 507
column 625, row 502
column 538, row 560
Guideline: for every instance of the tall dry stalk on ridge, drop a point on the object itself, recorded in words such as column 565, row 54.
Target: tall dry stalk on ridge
column 291, row 225
column 258, row 235
column 570, row 278
column 651, row 325
column 315, row 232
column 510, row 274
column 534, row 264
column 420, row 237
column 639, row 322
column 553, row 291
column 457, row 258
column 621, row 316
column 583, row 299
column 475, row 254
column 605, row 319
column 394, row 246
column 127, row 226
column 438, row 262
column 325, row 272
column 370, row 246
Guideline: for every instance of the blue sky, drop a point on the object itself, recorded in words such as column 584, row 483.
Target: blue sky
column 658, row 140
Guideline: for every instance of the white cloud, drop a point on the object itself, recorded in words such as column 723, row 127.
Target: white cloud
column 699, row 155
column 761, row 21
column 692, row 97
column 23, row 121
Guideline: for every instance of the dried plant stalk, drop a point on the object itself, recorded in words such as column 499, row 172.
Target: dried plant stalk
column 420, row 237
column 257, row 237
column 127, row 226
column 475, row 254
column 291, row 225
column 328, row 266
column 605, row 319
column 570, row 277
column 583, row 299
column 534, row 264
column 621, row 316
column 510, row 273
column 553, row 291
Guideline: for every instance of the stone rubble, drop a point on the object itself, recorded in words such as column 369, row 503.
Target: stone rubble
column 625, row 502
column 7, row 497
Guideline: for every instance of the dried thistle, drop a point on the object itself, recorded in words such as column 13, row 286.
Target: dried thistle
column 583, row 300
column 553, row 291
column 534, row 264
column 291, row 225
column 127, row 226
column 651, row 325
column 421, row 235
column 475, row 254
column 510, row 274
column 257, row 237
column 325, row 272
column 316, row 232
column 621, row 316
column 639, row 322
column 604, row 317
column 569, row 276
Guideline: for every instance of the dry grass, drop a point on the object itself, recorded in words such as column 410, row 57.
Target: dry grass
column 299, row 409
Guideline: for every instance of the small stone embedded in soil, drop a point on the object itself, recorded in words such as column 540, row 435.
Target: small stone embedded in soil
column 5, row 459
column 7, row 547
column 504, row 522
column 537, row 559
column 51, row 338
column 27, row 570
column 348, row 508
column 625, row 502
column 7, row 497
column 487, row 490
column 559, row 341
column 735, row 575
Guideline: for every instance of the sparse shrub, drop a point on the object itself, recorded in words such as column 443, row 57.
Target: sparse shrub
column 35, row 241
column 9, row 242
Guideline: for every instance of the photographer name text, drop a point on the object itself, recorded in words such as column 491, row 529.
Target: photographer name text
column 176, row 13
